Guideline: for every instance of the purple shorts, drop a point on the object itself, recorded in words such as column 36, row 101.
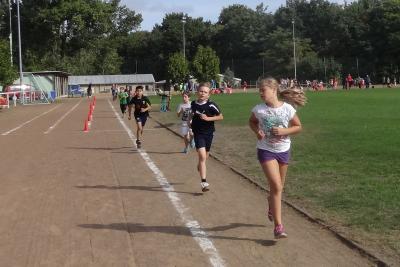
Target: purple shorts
column 265, row 155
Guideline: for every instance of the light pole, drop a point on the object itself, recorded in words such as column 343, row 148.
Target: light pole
column 19, row 53
column 294, row 52
column 183, row 35
column 263, row 67
column 11, row 57
column 358, row 72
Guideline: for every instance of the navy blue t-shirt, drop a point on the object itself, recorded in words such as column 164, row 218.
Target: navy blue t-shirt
column 140, row 103
column 200, row 126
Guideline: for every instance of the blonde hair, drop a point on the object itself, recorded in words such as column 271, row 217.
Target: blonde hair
column 293, row 95
column 204, row 84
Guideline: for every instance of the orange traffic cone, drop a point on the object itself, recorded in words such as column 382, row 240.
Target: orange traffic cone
column 86, row 128
column 89, row 118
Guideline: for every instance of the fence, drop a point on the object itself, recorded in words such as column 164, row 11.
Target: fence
column 4, row 100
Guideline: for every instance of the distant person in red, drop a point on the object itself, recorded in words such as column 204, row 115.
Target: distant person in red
column 349, row 81
column 245, row 86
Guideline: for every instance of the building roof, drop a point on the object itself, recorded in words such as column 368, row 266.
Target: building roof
column 111, row 79
column 55, row 72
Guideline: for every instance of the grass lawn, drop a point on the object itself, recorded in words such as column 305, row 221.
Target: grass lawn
column 345, row 164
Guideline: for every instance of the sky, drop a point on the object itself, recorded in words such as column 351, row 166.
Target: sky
column 153, row 11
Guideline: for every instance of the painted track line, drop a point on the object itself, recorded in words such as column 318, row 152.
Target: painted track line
column 25, row 123
column 198, row 234
column 63, row 117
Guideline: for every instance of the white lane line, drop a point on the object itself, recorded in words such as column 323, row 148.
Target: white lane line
column 198, row 234
column 25, row 123
column 63, row 117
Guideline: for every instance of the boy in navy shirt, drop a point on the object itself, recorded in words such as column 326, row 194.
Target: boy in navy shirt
column 141, row 105
column 204, row 113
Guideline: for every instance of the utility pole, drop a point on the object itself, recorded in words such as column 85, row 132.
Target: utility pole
column 19, row 52
column 183, row 36
column 11, row 53
column 294, row 52
column 358, row 73
column 263, row 67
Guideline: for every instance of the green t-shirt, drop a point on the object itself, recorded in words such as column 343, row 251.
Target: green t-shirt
column 123, row 96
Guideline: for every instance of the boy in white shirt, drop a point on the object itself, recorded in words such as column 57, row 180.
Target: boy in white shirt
column 183, row 111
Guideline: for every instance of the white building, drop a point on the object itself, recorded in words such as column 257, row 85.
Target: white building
column 103, row 83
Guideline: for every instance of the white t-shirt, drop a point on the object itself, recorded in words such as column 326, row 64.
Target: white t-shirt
column 274, row 117
column 185, row 113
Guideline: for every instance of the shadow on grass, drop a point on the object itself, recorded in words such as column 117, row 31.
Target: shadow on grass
column 139, row 187
column 181, row 230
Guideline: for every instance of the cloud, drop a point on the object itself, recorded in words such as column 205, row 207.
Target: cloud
column 153, row 11
column 158, row 6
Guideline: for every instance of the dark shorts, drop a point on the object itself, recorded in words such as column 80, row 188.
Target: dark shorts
column 141, row 118
column 123, row 107
column 203, row 140
column 265, row 155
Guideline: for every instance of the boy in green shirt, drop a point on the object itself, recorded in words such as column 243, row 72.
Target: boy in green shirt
column 123, row 100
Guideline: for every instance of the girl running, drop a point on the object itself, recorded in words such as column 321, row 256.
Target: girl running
column 204, row 113
column 272, row 122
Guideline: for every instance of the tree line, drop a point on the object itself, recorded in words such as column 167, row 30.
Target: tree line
column 85, row 37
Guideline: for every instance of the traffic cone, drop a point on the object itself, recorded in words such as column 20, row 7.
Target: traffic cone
column 86, row 128
column 89, row 118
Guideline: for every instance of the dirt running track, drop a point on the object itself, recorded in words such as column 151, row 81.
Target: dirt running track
column 69, row 198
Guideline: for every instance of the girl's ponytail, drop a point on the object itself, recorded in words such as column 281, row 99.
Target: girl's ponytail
column 294, row 96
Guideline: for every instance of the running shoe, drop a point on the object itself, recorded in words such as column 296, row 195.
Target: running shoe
column 279, row 232
column 204, row 186
column 138, row 143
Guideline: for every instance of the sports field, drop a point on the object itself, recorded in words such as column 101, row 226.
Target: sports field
column 345, row 164
column 75, row 198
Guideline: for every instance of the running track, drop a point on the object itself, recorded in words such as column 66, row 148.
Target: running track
column 70, row 198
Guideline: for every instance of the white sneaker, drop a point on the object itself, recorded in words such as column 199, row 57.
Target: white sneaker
column 204, row 186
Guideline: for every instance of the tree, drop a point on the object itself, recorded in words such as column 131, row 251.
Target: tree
column 311, row 67
column 197, row 32
column 54, row 32
column 241, row 35
column 178, row 68
column 383, row 21
column 7, row 73
column 205, row 64
column 228, row 76
column 242, row 31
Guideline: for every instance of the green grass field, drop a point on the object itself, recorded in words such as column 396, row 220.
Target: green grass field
column 345, row 163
